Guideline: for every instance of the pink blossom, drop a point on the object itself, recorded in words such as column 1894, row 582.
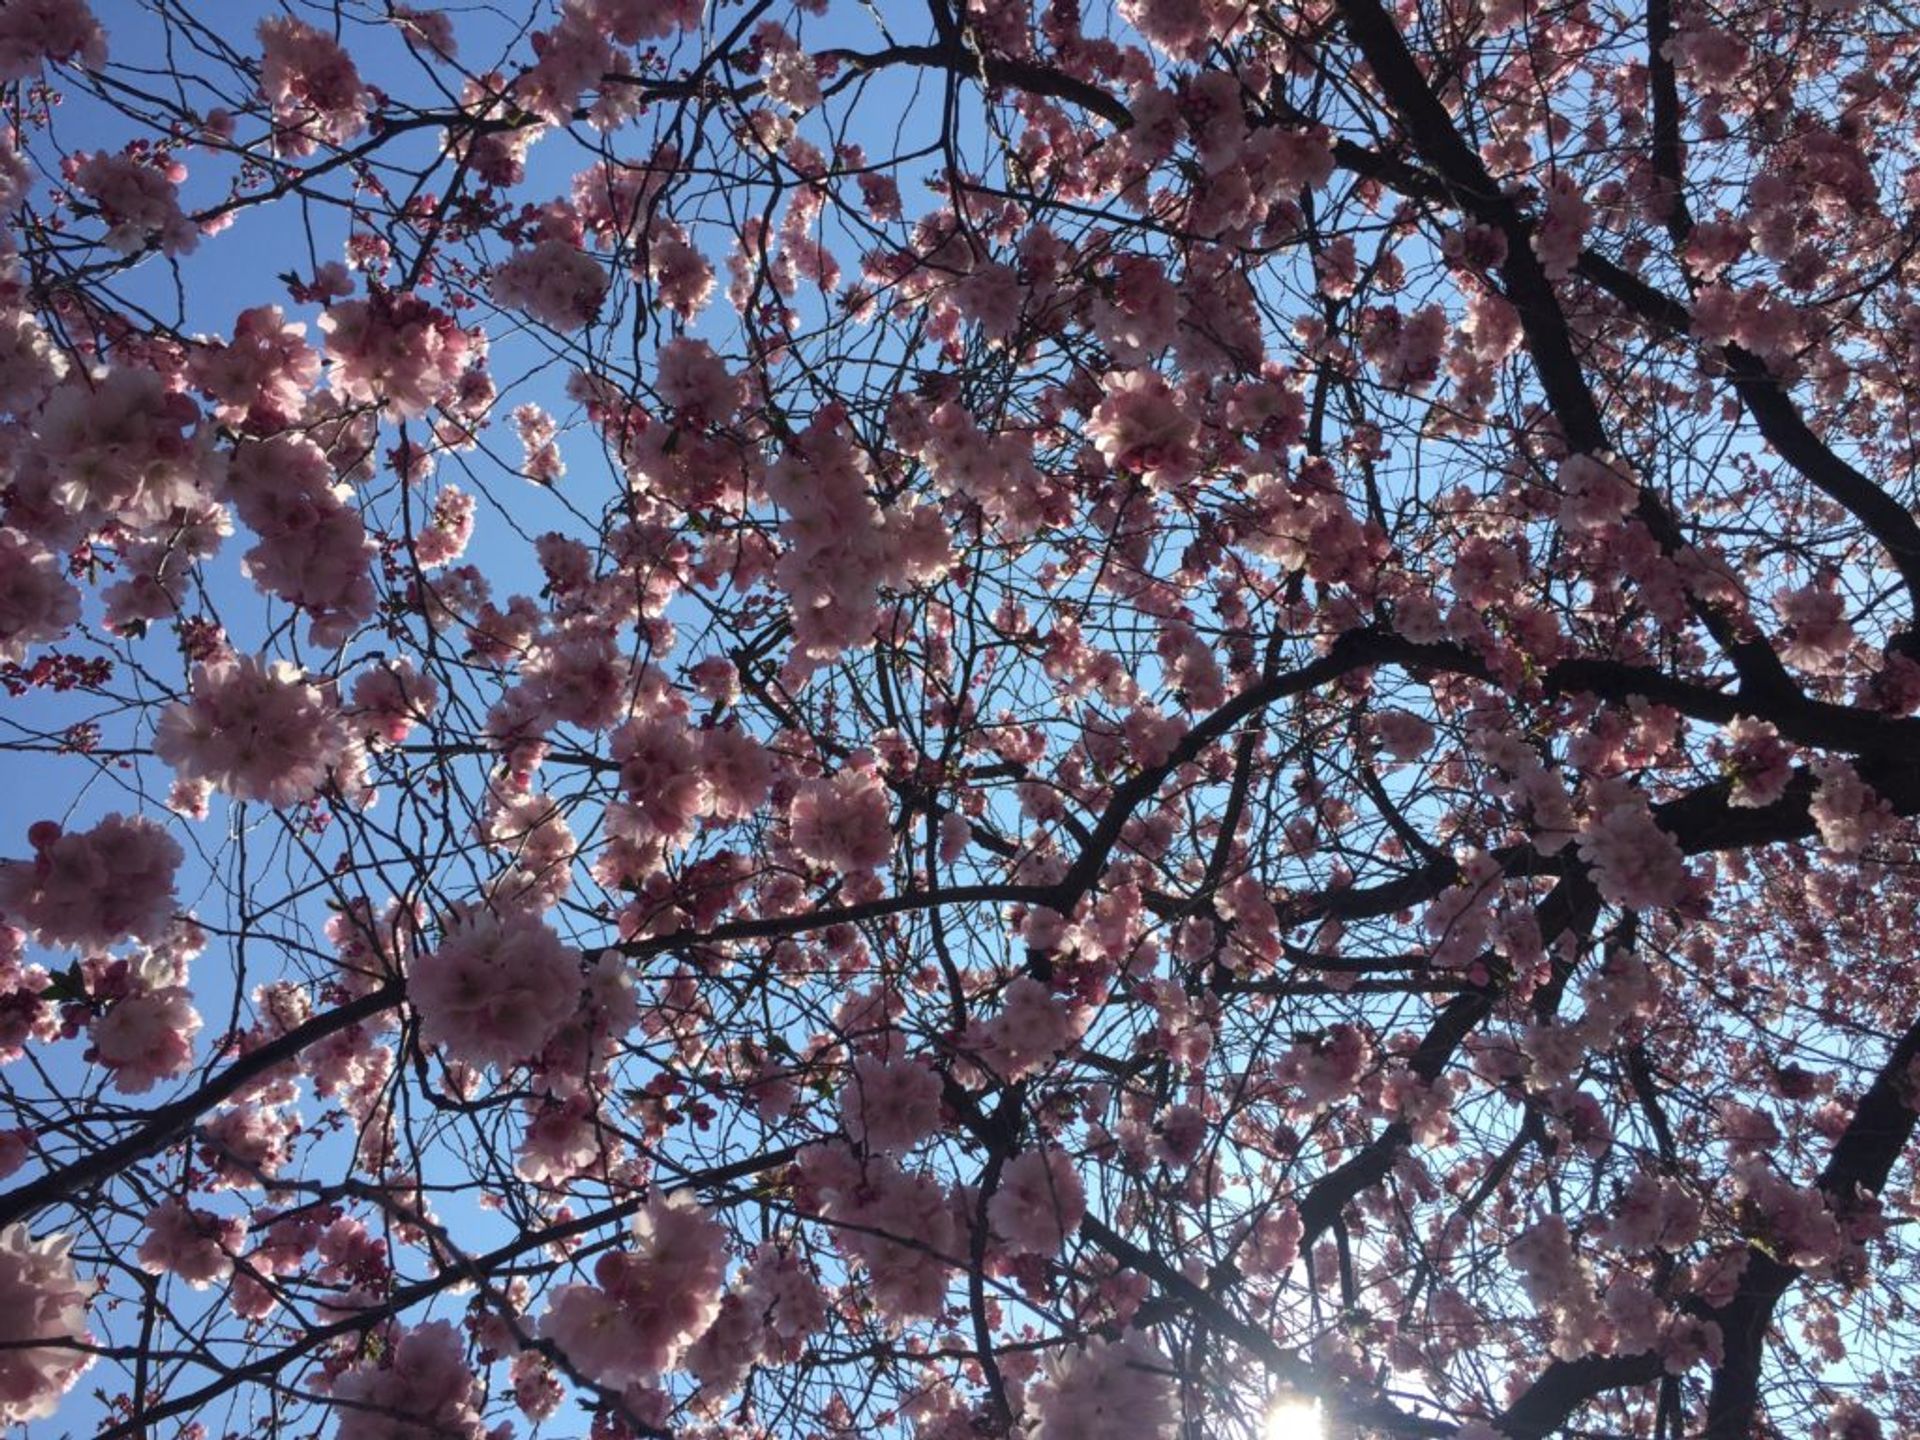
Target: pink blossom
column 682, row 276
column 1562, row 229
column 997, row 471
column 255, row 731
column 1652, row 1211
column 1184, row 28
column 560, row 1142
column 1595, row 490
column 532, row 830
column 556, row 283
column 1141, row 317
column 317, row 95
column 1031, row 1029
column 572, row 56
column 1559, row 1283
column 993, row 298
column 147, row 1035
column 1713, row 245
column 737, row 771
column 37, row 602
column 1711, row 58
column 246, row 1142
column 1818, row 636
column 536, row 1389
column 890, row 1105
column 841, row 547
column 196, row 1245
column 391, row 698
column 1486, row 571
column 630, row 22
column 1761, row 763
column 661, row 774
column 1409, row 354
column 581, row 677
column 537, row 430
column 97, row 887
column 586, row 1324
column 313, row 550
column 30, row 364
column 41, row 1300
column 496, row 990
column 1039, row 1202
column 791, row 76
column 1293, row 157
column 780, row 1287
column 1152, row 737
column 1273, row 1242
column 394, row 350
column 1748, row 1131
column 696, row 382
column 1687, row 1341
column 1636, row 863
column 1141, row 426
column 443, row 539
column 898, row 1224
column 26, row 1013
column 140, row 201
column 1109, row 1389
column 1850, row 1420
column 262, row 377
column 1849, row 814
column 724, row 1355
column 1326, row 1068
column 1403, row 735
column 419, row 1385
column 110, row 448
column 32, row 31
column 653, row 1301
column 845, row 821
column 1798, row 1223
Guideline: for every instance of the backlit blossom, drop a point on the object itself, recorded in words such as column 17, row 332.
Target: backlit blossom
column 313, row 549
column 496, row 989
column 1635, row 862
column 1109, row 1389
column 890, row 1105
column 311, row 82
column 1760, row 762
column 32, row 31
column 38, row 603
column 1141, row 426
column 41, row 1299
column 844, row 821
column 556, row 283
column 397, row 351
column 139, row 201
column 146, row 1036
column 1039, row 1201
column 652, row 1301
column 96, row 887
column 417, row 1385
column 195, row 1245
column 255, row 731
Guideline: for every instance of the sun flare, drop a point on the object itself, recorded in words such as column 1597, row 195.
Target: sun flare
column 1293, row 1419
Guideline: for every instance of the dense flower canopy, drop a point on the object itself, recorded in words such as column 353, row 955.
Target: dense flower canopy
column 970, row 718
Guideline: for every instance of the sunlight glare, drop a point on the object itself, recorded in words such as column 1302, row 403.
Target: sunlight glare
column 1293, row 1419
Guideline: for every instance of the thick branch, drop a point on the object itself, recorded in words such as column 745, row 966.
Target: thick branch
column 173, row 1122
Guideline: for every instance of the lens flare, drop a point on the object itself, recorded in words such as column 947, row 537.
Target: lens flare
column 1290, row 1418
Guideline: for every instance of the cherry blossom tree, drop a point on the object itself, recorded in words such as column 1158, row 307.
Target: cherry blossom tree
column 960, row 718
